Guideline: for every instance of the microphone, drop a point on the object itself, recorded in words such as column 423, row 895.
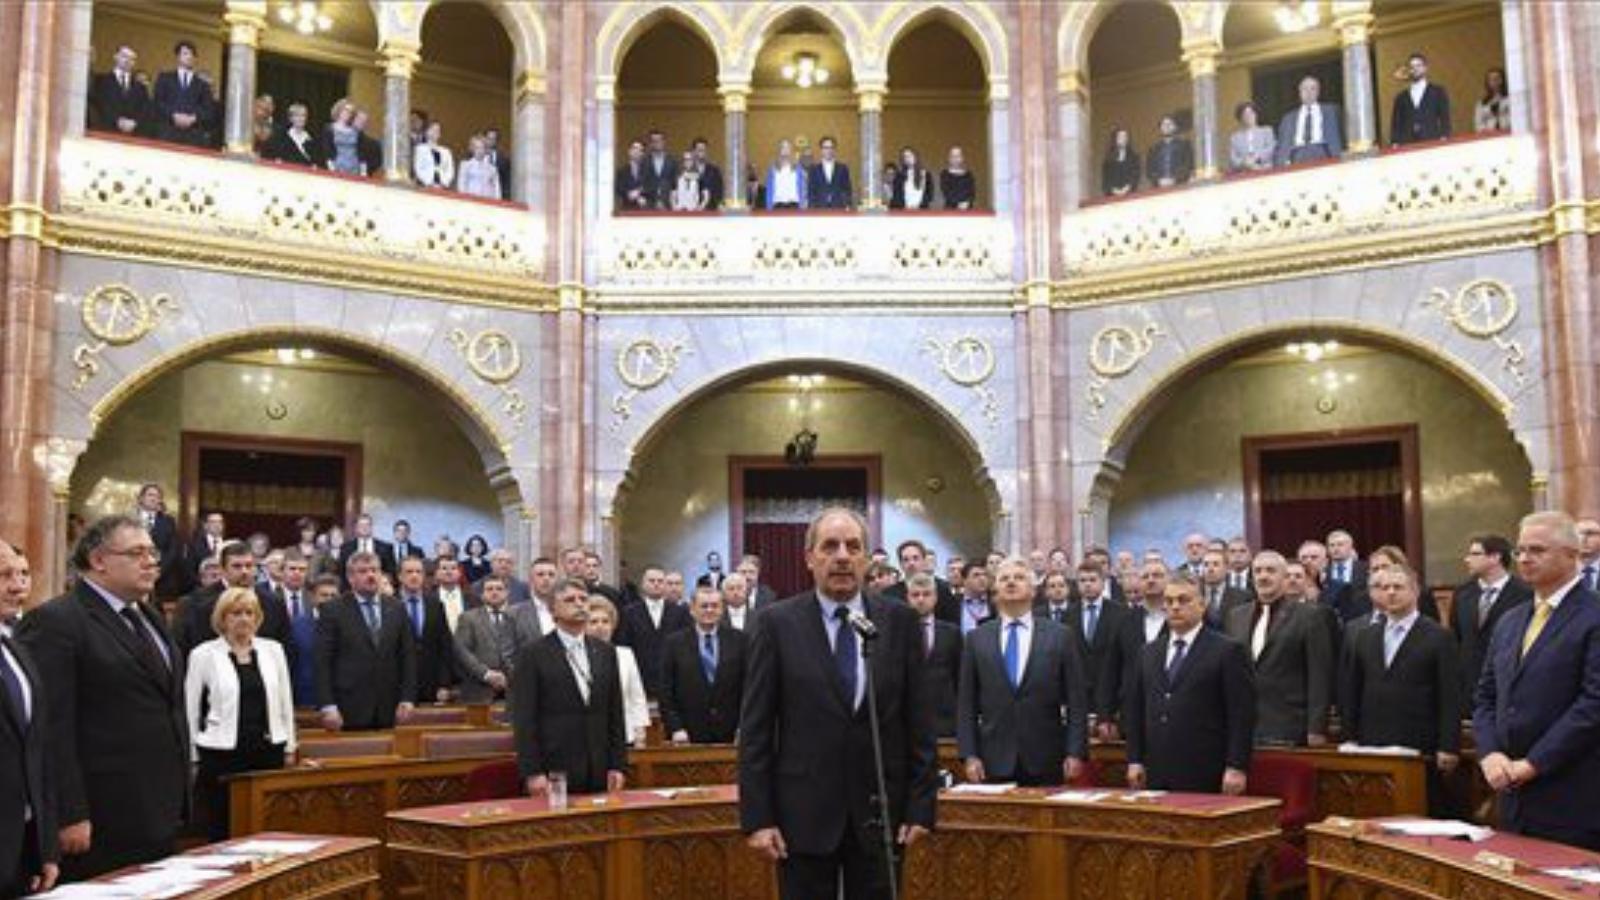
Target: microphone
column 863, row 626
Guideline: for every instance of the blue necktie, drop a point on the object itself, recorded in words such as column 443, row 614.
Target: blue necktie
column 844, row 653
column 416, row 614
column 1589, row 579
column 1013, row 655
column 1177, row 660
column 1091, row 621
column 19, row 706
column 708, row 658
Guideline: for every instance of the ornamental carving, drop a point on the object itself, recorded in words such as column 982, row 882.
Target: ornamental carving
column 495, row 359
column 968, row 361
column 1114, row 351
column 642, row 365
column 115, row 315
column 1483, row 309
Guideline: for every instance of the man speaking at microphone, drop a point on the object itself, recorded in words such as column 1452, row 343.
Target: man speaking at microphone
column 807, row 784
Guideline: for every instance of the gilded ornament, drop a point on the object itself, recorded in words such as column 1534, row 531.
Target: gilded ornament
column 1482, row 308
column 117, row 315
column 642, row 364
column 967, row 360
column 491, row 354
column 1116, row 350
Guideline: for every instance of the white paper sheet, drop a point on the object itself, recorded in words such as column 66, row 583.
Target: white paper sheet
column 987, row 789
column 1448, row 828
column 1079, row 796
column 266, row 847
column 203, row 861
column 1585, row 874
column 1365, row 750
column 87, row 892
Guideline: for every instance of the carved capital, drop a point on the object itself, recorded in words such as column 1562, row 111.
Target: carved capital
column 531, row 86
column 870, row 97
column 1073, row 83
column 1354, row 28
column 735, row 96
column 1202, row 57
column 400, row 57
column 244, row 27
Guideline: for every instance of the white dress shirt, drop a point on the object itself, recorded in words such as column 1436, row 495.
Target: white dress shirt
column 831, row 626
column 1024, row 633
column 578, row 659
column 737, row 615
column 1154, row 621
column 1418, row 88
column 655, row 608
column 635, row 706
column 1394, row 634
column 1311, row 131
column 1188, row 639
column 454, row 605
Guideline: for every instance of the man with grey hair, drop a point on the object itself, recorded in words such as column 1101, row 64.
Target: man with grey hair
column 502, row 563
column 366, row 654
column 1537, row 714
column 1344, row 583
column 736, row 602
column 1194, row 551
column 1291, row 653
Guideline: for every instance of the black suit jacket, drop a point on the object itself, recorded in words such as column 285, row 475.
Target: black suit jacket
column 805, row 755
column 829, row 193
column 164, row 534
column 1350, row 598
column 119, row 745
column 435, row 649
column 626, row 182
column 275, row 614
column 1186, row 731
column 27, row 773
column 658, row 188
column 1229, row 598
column 365, row 678
column 555, row 731
column 1474, row 639
column 502, row 168
column 383, row 549
column 637, row 631
column 191, row 621
column 1428, row 121
column 1103, row 657
column 942, row 668
column 197, row 100
column 946, row 608
column 281, row 147
column 1022, row 733
column 108, row 102
column 711, row 182
column 709, row 712
column 1294, row 673
column 1416, row 701
column 1130, row 644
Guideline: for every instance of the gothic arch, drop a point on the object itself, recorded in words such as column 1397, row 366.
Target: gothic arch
column 843, row 20
column 630, row 21
column 979, row 24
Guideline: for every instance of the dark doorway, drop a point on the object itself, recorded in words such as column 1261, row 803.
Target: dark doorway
column 772, row 503
column 290, row 80
column 265, row 484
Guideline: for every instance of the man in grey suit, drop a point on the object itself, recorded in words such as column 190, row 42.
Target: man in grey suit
column 1311, row 130
column 1292, row 654
column 1022, row 705
column 487, row 642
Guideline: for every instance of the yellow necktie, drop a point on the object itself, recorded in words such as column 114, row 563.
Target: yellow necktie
column 1541, row 615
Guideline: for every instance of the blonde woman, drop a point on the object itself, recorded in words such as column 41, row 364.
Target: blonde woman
column 239, row 701
column 341, row 142
column 635, row 707
column 479, row 177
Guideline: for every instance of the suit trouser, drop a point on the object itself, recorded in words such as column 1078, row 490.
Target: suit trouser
column 27, row 864
column 256, row 755
column 857, row 862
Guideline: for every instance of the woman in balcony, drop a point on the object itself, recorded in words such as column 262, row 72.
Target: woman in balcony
column 786, row 181
column 1493, row 112
column 957, row 186
column 1120, row 170
column 913, row 187
column 295, row 145
column 340, row 140
column 689, row 195
column 479, row 176
column 432, row 163
column 1251, row 147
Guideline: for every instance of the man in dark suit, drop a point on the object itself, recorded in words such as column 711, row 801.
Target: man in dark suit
column 1421, row 111
column 28, row 841
column 277, row 613
column 1239, row 558
column 710, row 174
column 1097, row 621
column 152, row 513
column 1190, row 714
column 645, row 626
column 1311, row 130
column 660, row 171
column 976, row 607
column 404, row 548
column 828, row 182
column 364, row 542
column 629, row 186
column 759, row 594
column 1220, row 597
column 191, row 624
column 1538, row 700
column 1405, row 683
column 1292, row 657
column 1480, row 604
column 941, row 653
column 186, row 109
column 1344, row 580
column 113, row 691
column 500, row 159
column 118, row 100
column 1022, row 707
column 430, row 634
column 702, row 675
column 207, row 541
column 366, row 654
column 806, row 778
column 566, row 704
column 914, row 557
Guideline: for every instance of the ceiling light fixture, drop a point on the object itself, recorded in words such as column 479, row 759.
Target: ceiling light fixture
column 1311, row 351
column 1295, row 16
column 305, row 17
column 804, row 71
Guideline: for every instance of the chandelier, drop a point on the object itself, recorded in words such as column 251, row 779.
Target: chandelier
column 1294, row 16
column 1311, row 351
column 305, row 17
column 804, row 71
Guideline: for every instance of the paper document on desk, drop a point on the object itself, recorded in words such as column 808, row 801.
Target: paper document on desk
column 1365, row 750
column 986, row 789
column 1447, row 828
column 1079, row 796
column 666, row 793
column 203, row 861
column 272, row 847
column 1584, row 874
column 87, row 892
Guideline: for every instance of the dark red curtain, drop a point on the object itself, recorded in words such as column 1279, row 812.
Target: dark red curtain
column 782, row 547
column 1372, row 521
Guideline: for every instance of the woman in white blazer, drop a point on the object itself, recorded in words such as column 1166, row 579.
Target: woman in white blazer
column 240, row 702
column 635, row 706
column 432, row 162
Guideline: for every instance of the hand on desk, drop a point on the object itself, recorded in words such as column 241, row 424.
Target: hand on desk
column 616, row 780
column 1233, row 781
column 1136, row 777
column 910, row 834
column 680, row 736
column 75, row 839
column 1071, row 768
column 769, row 843
column 45, row 880
column 538, row 786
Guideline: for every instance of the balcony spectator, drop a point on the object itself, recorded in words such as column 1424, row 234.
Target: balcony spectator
column 479, row 177
column 829, row 180
column 891, row 177
column 710, row 173
column 368, row 149
column 1120, row 171
column 1493, row 112
column 432, row 163
column 786, row 181
column 499, row 159
column 1252, row 146
column 297, row 146
column 755, row 192
column 185, row 107
column 630, row 186
column 1310, row 131
column 475, row 559
column 913, row 187
column 1170, row 161
column 341, row 143
column 118, row 100
column 957, row 186
column 689, row 195
column 262, row 125
column 418, row 126
column 660, row 171
column 1421, row 111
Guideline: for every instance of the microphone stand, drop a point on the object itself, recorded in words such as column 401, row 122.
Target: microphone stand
column 867, row 639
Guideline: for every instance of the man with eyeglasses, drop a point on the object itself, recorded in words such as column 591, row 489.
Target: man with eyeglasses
column 113, row 684
column 1537, row 714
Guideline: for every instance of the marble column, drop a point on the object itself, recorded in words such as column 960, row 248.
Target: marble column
column 1202, row 60
column 1001, row 196
column 870, row 101
column 1360, row 113
column 399, row 62
column 528, row 140
column 1077, row 161
column 238, row 116
column 735, row 106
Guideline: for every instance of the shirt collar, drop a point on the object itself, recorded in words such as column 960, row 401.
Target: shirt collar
column 1498, row 585
column 855, row 605
column 116, row 603
column 1405, row 622
column 1025, row 620
column 1561, row 593
column 570, row 641
column 1190, row 635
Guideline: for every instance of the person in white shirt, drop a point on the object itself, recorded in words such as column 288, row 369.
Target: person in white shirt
column 635, row 706
column 432, row 163
column 688, row 195
column 447, row 587
column 786, row 181
column 534, row 617
column 1311, row 130
column 479, row 177
column 736, row 602
column 1493, row 112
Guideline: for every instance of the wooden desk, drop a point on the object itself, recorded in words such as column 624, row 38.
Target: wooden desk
column 343, row 868
column 1351, row 866
column 986, row 848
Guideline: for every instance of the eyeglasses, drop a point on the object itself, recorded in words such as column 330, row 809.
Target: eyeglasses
column 136, row 553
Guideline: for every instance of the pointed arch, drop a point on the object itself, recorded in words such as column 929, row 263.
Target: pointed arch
column 978, row 24
column 631, row 21
column 842, row 20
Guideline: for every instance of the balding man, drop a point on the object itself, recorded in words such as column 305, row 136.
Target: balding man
column 1537, row 715
column 736, row 602
column 1291, row 653
column 1194, row 551
column 27, row 787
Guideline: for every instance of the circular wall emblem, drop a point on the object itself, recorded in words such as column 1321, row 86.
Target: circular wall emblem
column 967, row 361
column 115, row 314
column 493, row 356
column 1116, row 349
column 1483, row 307
column 644, row 364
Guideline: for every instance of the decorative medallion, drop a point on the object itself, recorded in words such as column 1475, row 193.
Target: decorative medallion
column 1114, row 351
column 1483, row 308
column 970, row 362
column 115, row 315
column 491, row 354
column 642, row 365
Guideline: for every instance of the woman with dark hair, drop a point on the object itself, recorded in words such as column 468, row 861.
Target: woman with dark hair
column 913, row 187
column 475, row 559
column 1493, row 112
column 1120, row 170
column 1251, row 147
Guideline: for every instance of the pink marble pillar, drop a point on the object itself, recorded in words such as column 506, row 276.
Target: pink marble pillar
column 563, row 499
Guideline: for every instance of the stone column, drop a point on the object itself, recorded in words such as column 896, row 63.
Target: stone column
column 1077, row 166
column 735, row 106
column 1360, row 115
column 528, row 140
column 1002, row 187
column 1202, row 60
column 245, row 22
column 870, row 100
column 400, row 59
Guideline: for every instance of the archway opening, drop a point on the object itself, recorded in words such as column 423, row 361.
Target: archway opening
column 1136, row 76
column 1257, row 431
column 786, row 104
column 720, row 473
column 668, row 83
column 1461, row 41
column 464, row 83
column 938, row 100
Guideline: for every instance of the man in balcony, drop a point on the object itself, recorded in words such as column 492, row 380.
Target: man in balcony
column 829, row 179
column 118, row 101
column 1310, row 131
column 499, row 159
column 660, row 171
column 629, row 186
column 710, row 174
column 1421, row 111
column 1170, row 161
column 186, row 109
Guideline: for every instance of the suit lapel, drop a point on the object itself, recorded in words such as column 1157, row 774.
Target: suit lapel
column 821, row 650
column 1552, row 627
column 102, row 615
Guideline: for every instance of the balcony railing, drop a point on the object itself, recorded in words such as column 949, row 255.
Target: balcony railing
column 1439, row 197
